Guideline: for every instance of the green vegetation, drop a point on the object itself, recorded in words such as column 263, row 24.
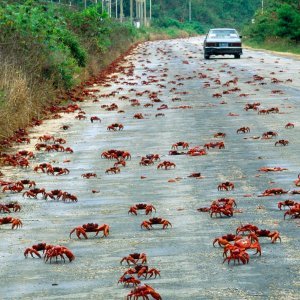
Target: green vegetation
column 277, row 28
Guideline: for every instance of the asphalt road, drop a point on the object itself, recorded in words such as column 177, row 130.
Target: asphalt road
column 191, row 268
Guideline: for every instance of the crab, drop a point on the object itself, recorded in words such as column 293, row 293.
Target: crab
column 88, row 175
column 274, row 235
column 5, row 208
column 35, row 250
column 143, row 291
column 269, row 134
column 289, row 125
column 33, row 193
column 129, row 279
column 54, row 194
column 282, row 143
column 219, row 145
column 294, row 211
column 115, row 126
column 288, row 203
column 43, row 167
column 238, row 254
column 175, row 152
column 58, row 251
column 95, row 118
column 46, row 138
column 148, row 208
column 28, row 182
column 13, row 187
column 166, row 164
column 273, row 169
column 113, row 170
column 184, row 145
column 225, row 239
column 196, row 151
column 253, row 106
column 142, row 270
column 273, row 192
column 67, row 196
column 153, row 157
column 16, row 223
column 155, row 221
column 90, row 227
column 226, row 186
column 220, row 135
column 297, row 181
column 243, row 130
column 134, row 258
column 196, row 175
column 244, row 244
column 57, row 171
column 226, row 210
column 246, row 228
column 138, row 116
column 146, row 162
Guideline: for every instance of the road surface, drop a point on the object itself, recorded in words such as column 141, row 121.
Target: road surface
column 191, row 268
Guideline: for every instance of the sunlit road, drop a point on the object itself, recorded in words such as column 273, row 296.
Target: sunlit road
column 191, row 268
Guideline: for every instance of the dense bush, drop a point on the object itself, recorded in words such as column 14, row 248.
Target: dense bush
column 280, row 21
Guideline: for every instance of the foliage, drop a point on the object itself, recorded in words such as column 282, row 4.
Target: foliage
column 280, row 21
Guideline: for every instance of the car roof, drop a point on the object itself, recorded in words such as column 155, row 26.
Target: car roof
column 222, row 29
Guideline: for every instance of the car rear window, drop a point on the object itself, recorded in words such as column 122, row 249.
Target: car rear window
column 228, row 33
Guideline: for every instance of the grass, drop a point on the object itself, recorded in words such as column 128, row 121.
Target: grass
column 279, row 45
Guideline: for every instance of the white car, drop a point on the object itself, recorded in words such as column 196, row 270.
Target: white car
column 221, row 41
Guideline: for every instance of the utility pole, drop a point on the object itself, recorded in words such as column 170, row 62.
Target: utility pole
column 145, row 15
column 84, row 4
column 131, row 11
column 121, row 11
column 190, row 10
column 150, row 10
column 262, row 7
column 116, row 9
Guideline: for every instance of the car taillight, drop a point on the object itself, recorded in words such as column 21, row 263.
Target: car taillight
column 210, row 44
column 236, row 44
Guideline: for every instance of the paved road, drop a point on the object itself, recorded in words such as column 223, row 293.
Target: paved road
column 190, row 267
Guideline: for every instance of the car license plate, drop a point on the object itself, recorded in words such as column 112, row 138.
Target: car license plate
column 223, row 44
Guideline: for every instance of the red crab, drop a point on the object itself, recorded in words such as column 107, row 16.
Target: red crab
column 90, row 227
column 226, row 186
column 115, row 126
column 219, row 145
column 16, row 223
column 273, row 192
column 15, row 206
column 294, row 211
column 148, row 208
column 134, row 258
column 282, row 142
column 88, row 175
column 184, row 145
column 166, row 164
column 220, row 134
column 243, row 130
column 297, row 181
column 289, row 125
column 129, row 279
column 95, row 118
column 155, row 221
column 113, row 170
column 143, row 291
column 142, row 270
column 34, row 250
column 269, row 134
column 225, row 239
column 288, row 203
column 58, row 251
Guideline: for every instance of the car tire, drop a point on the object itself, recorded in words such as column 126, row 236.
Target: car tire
column 237, row 56
column 206, row 56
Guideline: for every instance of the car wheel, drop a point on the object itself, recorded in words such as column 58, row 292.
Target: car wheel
column 237, row 56
column 206, row 56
